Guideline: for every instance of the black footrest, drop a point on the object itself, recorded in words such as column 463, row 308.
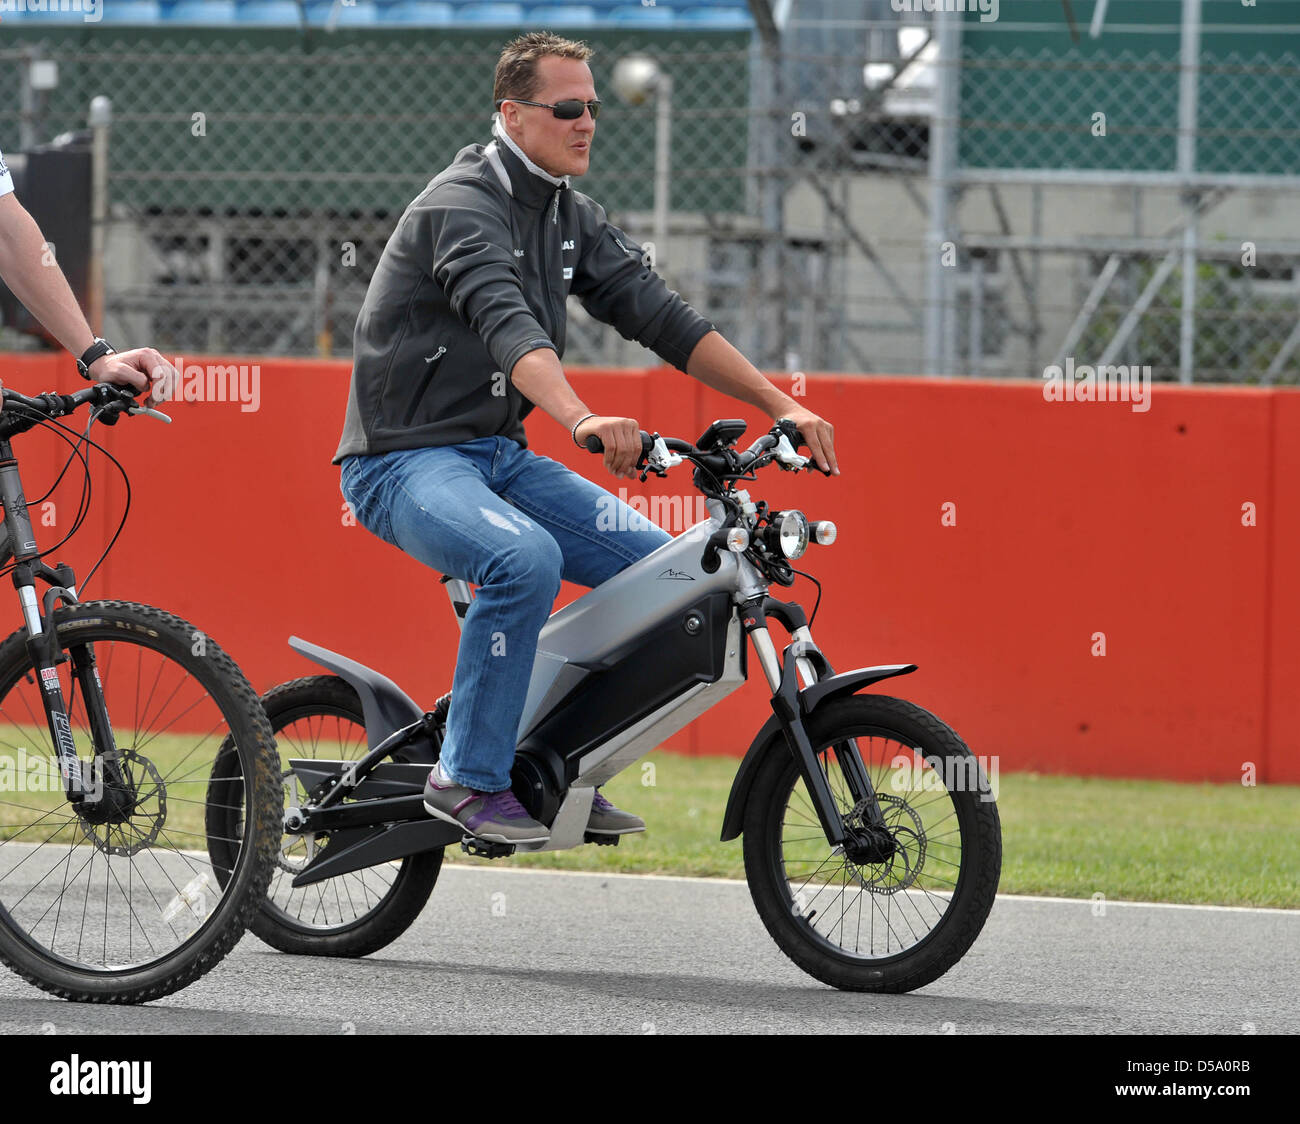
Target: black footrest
column 486, row 848
column 601, row 840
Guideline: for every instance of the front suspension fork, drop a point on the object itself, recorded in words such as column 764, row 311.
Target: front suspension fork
column 803, row 658
column 46, row 653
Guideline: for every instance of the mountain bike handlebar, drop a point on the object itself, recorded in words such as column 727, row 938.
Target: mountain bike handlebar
column 112, row 400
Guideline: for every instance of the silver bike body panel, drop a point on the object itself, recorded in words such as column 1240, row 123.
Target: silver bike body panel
column 615, row 755
column 650, row 594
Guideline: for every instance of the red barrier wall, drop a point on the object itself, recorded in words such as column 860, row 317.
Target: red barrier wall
column 1071, row 520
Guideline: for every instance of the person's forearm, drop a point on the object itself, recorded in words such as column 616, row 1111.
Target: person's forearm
column 540, row 378
column 42, row 288
column 719, row 365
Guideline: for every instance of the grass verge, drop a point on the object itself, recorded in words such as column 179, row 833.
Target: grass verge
column 1209, row 844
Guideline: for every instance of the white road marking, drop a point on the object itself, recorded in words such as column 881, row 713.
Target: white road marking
column 450, row 865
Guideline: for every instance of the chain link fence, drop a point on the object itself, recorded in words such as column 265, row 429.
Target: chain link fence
column 256, row 174
column 1024, row 193
column 883, row 190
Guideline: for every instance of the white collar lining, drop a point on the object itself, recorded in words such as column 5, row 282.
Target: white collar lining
column 499, row 131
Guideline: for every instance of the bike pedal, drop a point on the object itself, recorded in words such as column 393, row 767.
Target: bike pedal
column 600, row 839
column 486, row 848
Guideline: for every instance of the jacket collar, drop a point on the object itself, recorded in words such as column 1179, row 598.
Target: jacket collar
column 524, row 180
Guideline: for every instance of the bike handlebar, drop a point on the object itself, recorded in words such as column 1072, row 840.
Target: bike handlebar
column 112, row 400
column 743, row 460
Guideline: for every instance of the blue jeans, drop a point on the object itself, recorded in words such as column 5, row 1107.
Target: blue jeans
column 512, row 523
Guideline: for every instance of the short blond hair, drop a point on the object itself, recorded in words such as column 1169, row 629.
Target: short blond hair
column 516, row 74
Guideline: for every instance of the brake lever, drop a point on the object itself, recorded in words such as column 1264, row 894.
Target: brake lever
column 785, row 455
column 148, row 412
column 660, row 458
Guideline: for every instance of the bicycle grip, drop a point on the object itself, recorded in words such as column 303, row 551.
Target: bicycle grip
column 596, row 445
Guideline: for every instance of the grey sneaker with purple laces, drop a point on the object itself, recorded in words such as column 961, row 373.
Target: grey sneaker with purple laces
column 495, row 816
column 605, row 819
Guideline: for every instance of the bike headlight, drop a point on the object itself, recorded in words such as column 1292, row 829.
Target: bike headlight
column 792, row 533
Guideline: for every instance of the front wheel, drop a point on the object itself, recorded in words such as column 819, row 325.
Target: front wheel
column 119, row 901
column 889, row 926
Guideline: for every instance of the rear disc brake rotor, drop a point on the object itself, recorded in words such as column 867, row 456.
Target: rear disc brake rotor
column 298, row 849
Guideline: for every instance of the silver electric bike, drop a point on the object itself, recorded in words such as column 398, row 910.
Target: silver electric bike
column 872, row 844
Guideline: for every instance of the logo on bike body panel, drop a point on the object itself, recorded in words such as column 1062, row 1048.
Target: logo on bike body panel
column 676, row 575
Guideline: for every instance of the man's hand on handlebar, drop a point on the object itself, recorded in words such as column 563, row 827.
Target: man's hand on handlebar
column 621, row 438
column 818, row 435
column 142, row 369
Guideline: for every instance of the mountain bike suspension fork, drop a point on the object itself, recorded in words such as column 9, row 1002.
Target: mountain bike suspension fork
column 43, row 647
column 810, row 665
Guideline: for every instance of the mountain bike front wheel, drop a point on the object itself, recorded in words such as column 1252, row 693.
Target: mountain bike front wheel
column 125, row 905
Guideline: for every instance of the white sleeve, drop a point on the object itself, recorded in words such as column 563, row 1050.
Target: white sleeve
column 6, row 180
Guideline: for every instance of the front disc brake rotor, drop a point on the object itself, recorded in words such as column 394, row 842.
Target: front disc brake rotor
column 142, row 826
column 901, row 870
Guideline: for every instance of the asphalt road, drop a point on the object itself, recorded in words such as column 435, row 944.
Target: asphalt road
column 503, row 949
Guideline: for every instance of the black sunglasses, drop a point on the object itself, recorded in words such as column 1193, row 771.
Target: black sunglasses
column 565, row 110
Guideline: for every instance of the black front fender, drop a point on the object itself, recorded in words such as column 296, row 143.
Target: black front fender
column 770, row 737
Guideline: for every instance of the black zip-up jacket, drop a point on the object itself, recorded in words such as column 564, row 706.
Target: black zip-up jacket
column 474, row 277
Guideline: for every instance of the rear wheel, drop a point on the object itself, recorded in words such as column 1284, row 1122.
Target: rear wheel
column 351, row 914
column 893, row 925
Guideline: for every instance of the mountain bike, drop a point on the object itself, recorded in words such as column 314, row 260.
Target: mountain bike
column 872, row 844
column 114, row 717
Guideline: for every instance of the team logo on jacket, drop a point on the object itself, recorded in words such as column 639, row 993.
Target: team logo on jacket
column 567, row 244
column 519, row 253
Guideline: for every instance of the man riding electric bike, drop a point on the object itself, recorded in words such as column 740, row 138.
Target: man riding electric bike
column 460, row 335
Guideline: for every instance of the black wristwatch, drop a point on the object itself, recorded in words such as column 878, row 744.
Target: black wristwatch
column 96, row 350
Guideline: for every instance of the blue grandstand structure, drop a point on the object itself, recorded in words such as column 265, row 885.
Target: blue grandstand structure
column 560, row 14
